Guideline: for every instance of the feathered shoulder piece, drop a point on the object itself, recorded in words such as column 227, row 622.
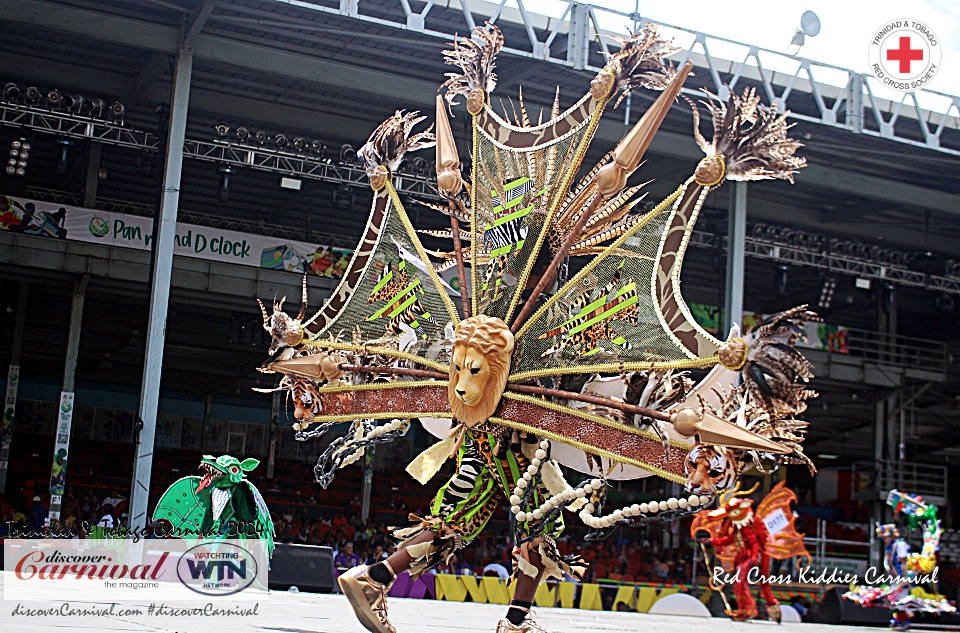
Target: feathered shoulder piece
column 476, row 58
column 775, row 373
column 392, row 139
column 750, row 137
column 641, row 62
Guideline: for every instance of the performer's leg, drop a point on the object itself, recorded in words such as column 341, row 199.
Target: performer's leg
column 746, row 605
column 517, row 619
column 766, row 592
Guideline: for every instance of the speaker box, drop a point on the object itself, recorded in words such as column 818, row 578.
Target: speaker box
column 308, row 567
column 833, row 609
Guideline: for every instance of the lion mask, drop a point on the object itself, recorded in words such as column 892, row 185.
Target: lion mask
column 481, row 364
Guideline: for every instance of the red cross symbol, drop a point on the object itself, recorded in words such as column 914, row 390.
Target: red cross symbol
column 905, row 54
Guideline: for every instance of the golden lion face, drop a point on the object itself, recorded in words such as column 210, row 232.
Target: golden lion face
column 473, row 373
column 481, row 364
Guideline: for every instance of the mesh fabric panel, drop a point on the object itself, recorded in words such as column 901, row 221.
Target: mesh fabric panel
column 607, row 313
column 515, row 190
column 394, row 291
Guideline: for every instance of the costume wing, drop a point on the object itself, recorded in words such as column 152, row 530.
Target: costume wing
column 713, row 525
column 775, row 512
column 180, row 505
column 390, row 289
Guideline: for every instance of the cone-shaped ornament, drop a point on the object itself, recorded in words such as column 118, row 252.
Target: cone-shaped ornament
column 612, row 177
column 449, row 181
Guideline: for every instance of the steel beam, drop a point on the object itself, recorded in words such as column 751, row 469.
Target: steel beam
column 160, row 288
column 736, row 249
column 10, row 403
column 93, row 175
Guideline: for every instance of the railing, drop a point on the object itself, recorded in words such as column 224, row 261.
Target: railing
column 898, row 351
column 843, row 98
column 874, row 479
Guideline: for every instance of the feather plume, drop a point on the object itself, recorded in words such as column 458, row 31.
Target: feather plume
column 750, row 136
column 476, row 62
column 392, row 139
column 775, row 373
column 641, row 61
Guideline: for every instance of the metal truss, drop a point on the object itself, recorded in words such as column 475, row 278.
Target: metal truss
column 75, row 126
column 787, row 80
column 277, row 161
column 783, row 253
column 290, row 164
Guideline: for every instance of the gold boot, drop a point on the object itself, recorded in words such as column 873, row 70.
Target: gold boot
column 368, row 599
column 773, row 612
column 529, row 624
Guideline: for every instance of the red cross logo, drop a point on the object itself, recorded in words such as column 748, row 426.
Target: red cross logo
column 905, row 54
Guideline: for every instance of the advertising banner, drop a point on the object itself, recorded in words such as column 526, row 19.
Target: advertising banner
column 137, row 570
column 49, row 219
column 58, row 470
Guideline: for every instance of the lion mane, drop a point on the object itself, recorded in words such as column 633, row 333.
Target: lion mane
column 493, row 339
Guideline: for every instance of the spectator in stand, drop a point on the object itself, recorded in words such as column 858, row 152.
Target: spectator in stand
column 377, row 555
column 38, row 514
column 346, row 558
column 496, row 569
column 107, row 519
column 114, row 500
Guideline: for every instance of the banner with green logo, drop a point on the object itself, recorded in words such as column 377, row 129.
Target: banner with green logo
column 49, row 219
column 58, row 471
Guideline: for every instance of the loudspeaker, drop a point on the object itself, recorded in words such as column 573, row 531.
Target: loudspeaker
column 834, row 609
column 308, row 567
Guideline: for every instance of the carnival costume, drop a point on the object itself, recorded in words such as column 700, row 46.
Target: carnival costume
column 905, row 594
column 746, row 540
column 511, row 383
column 222, row 503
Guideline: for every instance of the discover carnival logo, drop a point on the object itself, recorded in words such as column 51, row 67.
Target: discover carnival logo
column 166, row 569
column 904, row 54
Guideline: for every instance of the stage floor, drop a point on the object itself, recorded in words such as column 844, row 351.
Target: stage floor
column 285, row 612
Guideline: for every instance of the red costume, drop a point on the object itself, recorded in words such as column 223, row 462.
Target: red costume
column 743, row 542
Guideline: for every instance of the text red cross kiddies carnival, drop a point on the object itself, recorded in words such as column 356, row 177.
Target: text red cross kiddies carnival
column 905, row 54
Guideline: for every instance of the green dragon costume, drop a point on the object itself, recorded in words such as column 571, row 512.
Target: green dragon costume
column 222, row 502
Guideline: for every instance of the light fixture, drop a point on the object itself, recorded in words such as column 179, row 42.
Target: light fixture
column 780, row 280
column 73, row 102
column 223, row 193
column 419, row 166
column 242, row 134
column 96, row 106
column 317, row 147
column 63, row 157
column 828, row 456
column 222, row 130
column 102, row 173
column 343, row 197
column 262, row 137
column 944, row 303
column 299, row 144
column 11, row 92
column 18, row 155
column 347, row 154
column 33, row 95
column 54, row 98
column 280, row 141
column 826, row 292
column 117, row 111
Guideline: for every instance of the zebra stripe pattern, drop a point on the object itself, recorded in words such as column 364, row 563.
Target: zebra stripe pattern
column 462, row 484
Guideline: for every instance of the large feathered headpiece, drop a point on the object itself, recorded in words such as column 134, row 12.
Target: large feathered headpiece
column 641, row 61
column 392, row 139
column 476, row 61
column 751, row 138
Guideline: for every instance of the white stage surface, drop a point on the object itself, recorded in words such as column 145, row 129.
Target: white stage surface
column 285, row 612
